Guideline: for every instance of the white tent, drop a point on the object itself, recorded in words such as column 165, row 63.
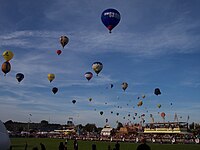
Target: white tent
column 4, row 137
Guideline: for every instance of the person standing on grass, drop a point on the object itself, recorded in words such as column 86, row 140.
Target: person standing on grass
column 117, row 146
column 75, row 145
column 94, row 147
column 42, row 146
column 143, row 145
column 61, row 146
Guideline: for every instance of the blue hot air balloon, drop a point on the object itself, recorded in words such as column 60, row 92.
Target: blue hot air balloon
column 110, row 18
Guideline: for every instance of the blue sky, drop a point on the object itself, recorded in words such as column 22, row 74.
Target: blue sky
column 156, row 44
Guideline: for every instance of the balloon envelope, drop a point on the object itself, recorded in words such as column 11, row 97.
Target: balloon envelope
column 162, row 114
column 97, row 67
column 140, row 103
column 7, row 55
column 64, row 40
column 73, row 101
column 6, row 67
column 159, row 105
column 54, row 90
column 110, row 18
column 58, row 52
column 157, row 91
column 88, row 75
column 51, row 77
column 124, row 86
column 101, row 112
column 19, row 77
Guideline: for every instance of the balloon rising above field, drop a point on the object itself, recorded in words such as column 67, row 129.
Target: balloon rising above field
column 110, row 18
column 97, row 67
column 88, row 75
column 19, row 77
column 124, row 86
column 7, row 55
column 54, row 90
column 51, row 77
column 6, row 67
column 64, row 40
column 58, row 52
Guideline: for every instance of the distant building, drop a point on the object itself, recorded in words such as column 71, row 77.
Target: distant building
column 107, row 131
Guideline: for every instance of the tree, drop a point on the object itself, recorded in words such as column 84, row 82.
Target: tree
column 90, row 128
column 119, row 125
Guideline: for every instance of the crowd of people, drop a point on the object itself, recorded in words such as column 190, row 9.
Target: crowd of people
column 63, row 146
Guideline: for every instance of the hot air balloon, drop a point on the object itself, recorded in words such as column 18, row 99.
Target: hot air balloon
column 157, row 91
column 19, row 77
column 124, row 86
column 88, row 75
column 163, row 116
column 111, row 112
column 74, row 101
column 106, row 120
column 58, row 52
column 159, row 105
column 6, row 67
column 51, row 77
column 101, row 112
column 111, row 86
column 97, row 67
column 140, row 103
column 7, row 55
column 64, row 40
column 54, row 90
column 117, row 114
column 110, row 18
column 90, row 99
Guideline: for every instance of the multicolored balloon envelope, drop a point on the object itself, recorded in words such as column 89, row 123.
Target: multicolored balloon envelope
column 88, row 75
column 97, row 67
column 124, row 86
column 51, row 77
column 64, row 40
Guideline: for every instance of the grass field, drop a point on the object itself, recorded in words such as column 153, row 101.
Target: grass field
column 52, row 144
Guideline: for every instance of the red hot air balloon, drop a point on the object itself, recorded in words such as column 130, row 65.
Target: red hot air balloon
column 58, row 52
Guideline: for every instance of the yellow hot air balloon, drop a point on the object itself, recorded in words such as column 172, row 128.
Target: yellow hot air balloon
column 7, row 55
column 51, row 77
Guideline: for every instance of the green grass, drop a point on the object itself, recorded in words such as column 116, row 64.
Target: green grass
column 52, row 144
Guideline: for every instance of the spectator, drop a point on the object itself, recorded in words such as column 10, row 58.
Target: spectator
column 75, row 145
column 94, row 147
column 143, row 145
column 109, row 147
column 42, row 146
column 117, row 146
column 61, row 146
column 26, row 145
